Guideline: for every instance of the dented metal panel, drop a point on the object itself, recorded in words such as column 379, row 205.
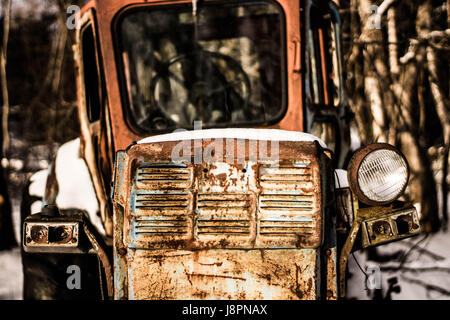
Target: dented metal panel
column 223, row 274
column 222, row 205
column 209, row 230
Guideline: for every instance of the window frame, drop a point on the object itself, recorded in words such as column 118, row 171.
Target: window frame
column 115, row 28
column 101, row 85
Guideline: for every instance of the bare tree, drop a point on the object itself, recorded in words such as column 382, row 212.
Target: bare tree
column 3, row 55
column 7, row 239
column 396, row 55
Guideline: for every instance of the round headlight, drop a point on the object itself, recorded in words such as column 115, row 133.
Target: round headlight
column 378, row 174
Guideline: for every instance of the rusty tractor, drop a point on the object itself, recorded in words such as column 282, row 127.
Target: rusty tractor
column 212, row 133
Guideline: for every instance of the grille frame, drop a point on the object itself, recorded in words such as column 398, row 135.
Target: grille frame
column 258, row 230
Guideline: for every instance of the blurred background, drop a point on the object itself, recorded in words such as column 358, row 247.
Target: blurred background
column 396, row 67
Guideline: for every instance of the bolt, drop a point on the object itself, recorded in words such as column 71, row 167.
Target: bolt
column 328, row 252
column 122, row 251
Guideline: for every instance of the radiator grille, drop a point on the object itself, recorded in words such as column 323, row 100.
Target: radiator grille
column 223, row 214
column 170, row 210
column 161, row 214
column 287, row 203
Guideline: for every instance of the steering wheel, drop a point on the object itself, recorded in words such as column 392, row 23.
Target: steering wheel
column 205, row 84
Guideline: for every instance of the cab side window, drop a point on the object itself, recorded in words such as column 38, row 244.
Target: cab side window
column 322, row 91
column 92, row 82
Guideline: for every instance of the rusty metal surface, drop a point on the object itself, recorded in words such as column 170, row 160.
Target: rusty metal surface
column 218, row 206
column 331, row 274
column 43, row 233
column 102, row 13
column 233, row 214
column 258, row 204
column 348, row 246
column 38, row 234
column 223, row 274
column 90, row 132
column 367, row 219
column 119, row 246
column 101, row 251
column 346, row 250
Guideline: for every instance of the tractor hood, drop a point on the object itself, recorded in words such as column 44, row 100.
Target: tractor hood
column 218, row 213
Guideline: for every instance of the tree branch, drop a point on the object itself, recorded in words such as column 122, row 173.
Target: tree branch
column 3, row 55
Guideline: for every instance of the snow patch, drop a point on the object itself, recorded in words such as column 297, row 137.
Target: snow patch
column 36, row 207
column 38, row 181
column 231, row 133
column 74, row 183
column 11, row 276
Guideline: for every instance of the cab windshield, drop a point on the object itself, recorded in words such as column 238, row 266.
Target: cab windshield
column 222, row 64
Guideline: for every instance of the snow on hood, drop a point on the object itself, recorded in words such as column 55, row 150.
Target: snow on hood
column 231, row 133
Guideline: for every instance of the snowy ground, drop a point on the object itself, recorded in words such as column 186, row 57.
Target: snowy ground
column 424, row 274
column 11, row 275
column 421, row 269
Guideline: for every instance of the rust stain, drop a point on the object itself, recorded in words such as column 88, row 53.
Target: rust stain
column 241, row 275
column 220, row 205
column 180, row 214
column 214, row 276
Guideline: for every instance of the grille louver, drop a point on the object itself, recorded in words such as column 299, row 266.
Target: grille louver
column 161, row 204
column 285, row 178
column 163, row 177
column 223, row 214
column 161, row 225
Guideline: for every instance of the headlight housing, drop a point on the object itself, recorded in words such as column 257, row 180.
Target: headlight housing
column 378, row 174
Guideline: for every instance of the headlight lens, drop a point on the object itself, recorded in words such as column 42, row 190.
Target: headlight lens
column 378, row 174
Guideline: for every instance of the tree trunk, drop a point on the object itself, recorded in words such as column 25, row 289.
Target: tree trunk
column 399, row 93
column 7, row 238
